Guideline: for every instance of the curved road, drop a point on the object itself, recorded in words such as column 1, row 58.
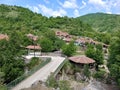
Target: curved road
column 42, row 74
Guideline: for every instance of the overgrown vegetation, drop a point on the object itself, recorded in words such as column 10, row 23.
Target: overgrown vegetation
column 114, row 59
column 62, row 84
column 11, row 62
column 34, row 62
column 69, row 50
column 96, row 53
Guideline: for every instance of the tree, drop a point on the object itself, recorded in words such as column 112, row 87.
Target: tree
column 11, row 62
column 69, row 50
column 46, row 44
column 58, row 44
column 96, row 53
column 51, row 81
column 86, row 71
column 90, row 52
column 2, row 74
column 114, row 59
column 64, row 85
column 34, row 61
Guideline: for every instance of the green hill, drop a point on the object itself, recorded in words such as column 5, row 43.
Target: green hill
column 102, row 22
column 22, row 19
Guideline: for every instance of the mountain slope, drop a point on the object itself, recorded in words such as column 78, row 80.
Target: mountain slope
column 22, row 19
column 102, row 22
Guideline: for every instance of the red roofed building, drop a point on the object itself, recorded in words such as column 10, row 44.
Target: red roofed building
column 4, row 36
column 33, row 37
column 84, row 40
column 34, row 50
column 82, row 60
column 61, row 34
column 64, row 36
column 67, row 40
column 34, row 47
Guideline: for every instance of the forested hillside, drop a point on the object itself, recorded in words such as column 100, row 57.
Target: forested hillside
column 22, row 19
column 102, row 22
column 16, row 18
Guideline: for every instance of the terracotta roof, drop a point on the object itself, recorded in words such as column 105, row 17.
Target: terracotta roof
column 60, row 33
column 3, row 36
column 30, row 35
column 81, row 59
column 86, row 40
column 81, row 40
column 33, row 47
column 33, row 37
column 67, row 39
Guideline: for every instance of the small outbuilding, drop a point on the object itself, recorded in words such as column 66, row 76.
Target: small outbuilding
column 82, row 60
column 4, row 36
column 33, row 37
column 34, row 50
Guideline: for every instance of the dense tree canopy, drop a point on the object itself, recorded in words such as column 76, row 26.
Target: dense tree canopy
column 96, row 53
column 69, row 50
column 11, row 62
column 114, row 59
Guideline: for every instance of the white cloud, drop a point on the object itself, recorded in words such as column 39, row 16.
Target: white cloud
column 83, row 4
column 76, row 13
column 69, row 4
column 109, row 12
column 50, row 12
column 105, row 5
column 97, row 2
column 35, row 9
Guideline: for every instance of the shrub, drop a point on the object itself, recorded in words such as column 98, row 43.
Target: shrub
column 99, row 74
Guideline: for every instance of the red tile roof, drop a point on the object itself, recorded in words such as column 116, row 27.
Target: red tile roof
column 67, row 39
column 81, row 40
column 33, row 47
column 3, row 36
column 60, row 33
column 81, row 59
column 33, row 37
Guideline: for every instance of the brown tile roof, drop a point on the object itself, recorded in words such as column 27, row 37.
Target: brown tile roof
column 81, row 59
column 67, row 39
column 81, row 40
column 60, row 33
column 33, row 37
column 36, row 47
column 3, row 36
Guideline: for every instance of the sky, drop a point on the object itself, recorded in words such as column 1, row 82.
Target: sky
column 70, row 8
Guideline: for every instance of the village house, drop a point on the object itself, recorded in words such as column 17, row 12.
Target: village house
column 80, row 61
column 61, row 34
column 83, row 40
column 4, row 36
column 64, row 36
column 33, row 37
column 34, row 50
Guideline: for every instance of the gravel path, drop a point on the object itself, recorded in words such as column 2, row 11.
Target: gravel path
column 41, row 74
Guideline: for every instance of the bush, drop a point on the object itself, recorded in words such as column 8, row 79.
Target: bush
column 69, row 50
column 99, row 74
column 34, row 61
column 64, row 85
column 86, row 71
column 51, row 82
